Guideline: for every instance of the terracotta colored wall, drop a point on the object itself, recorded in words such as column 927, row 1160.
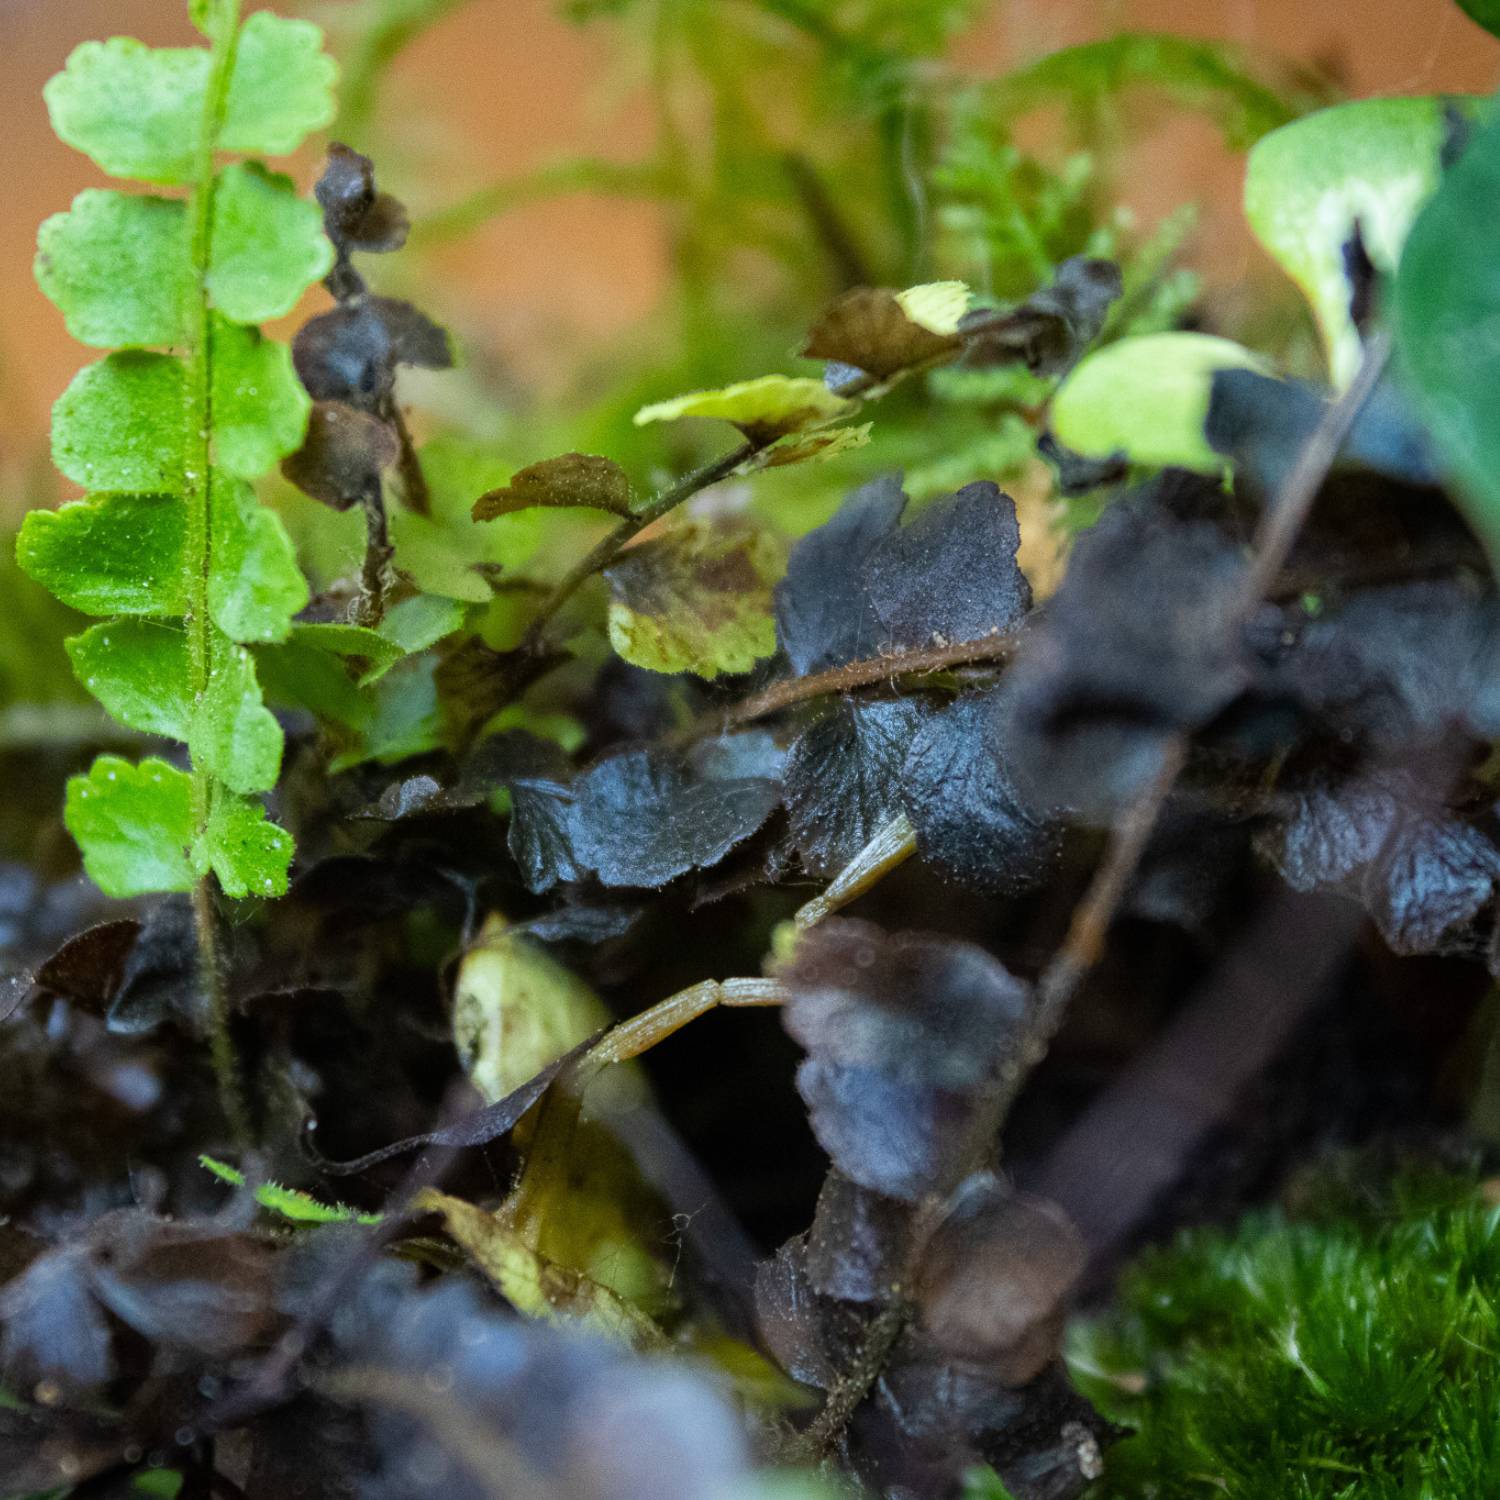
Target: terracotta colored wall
column 568, row 267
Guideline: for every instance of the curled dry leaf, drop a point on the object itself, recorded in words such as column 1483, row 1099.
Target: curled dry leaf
column 343, row 456
column 575, row 479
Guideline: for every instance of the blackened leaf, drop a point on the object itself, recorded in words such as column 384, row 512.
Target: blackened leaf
column 823, row 614
column 869, row 329
column 811, row 1336
column 1052, row 327
column 192, row 1286
column 640, row 819
column 355, row 216
column 88, row 969
column 971, row 822
column 345, row 355
column 1263, row 424
column 343, row 455
column 160, row 978
column 695, row 599
column 1077, row 475
column 575, row 479
column 893, row 1135
column 1434, row 875
column 995, row 1276
column 856, row 1248
column 541, row 832
column 479, row 1128
column 950, row 575
column 1134, row 647
column 1398, row 666
column 53, row 1329
column 467, row 1402
column 843, row 778
column 1191, row 861
column 905, row 1035
column 351, row 353
column 414, row 338
column 1332, row 828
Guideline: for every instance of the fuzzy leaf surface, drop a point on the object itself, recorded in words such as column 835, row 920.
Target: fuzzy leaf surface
column 233, row 735
column 134, row 824
column 138, row 669
column 249, row 853
column 971, row 822
column 260, row 409
column 255, row 586
column 951, row 574
column 110, row 554
column 117, row 266
column 823, row 614
column 843, row 779
column 268, row 245
column 120, row 425
column 574, row 479
column 642, row 819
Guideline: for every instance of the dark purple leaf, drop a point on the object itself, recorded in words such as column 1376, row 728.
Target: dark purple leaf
column 951, row 574
column 823, row 613
column 843, row 778
column 972, row 823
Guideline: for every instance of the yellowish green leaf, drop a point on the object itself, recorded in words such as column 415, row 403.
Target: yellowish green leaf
column 763, row 409
column 936, row 306
column 532, row 1284
column 1374, row 161
column 1147, row 398
column 696, row 599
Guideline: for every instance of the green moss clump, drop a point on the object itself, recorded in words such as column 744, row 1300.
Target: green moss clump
column 1353, row 1358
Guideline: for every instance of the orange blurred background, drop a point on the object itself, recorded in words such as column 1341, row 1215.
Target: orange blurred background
column 503, row 85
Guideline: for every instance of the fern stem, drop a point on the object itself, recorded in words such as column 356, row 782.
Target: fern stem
column 198, row 498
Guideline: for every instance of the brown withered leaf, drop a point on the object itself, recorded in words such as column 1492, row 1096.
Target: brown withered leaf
column 88, row 969
column 994, row 1279
column 870, row 330
column 343, row 455
column 580, row 480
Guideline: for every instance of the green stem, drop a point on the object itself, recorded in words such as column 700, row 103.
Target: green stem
column 198, row 499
